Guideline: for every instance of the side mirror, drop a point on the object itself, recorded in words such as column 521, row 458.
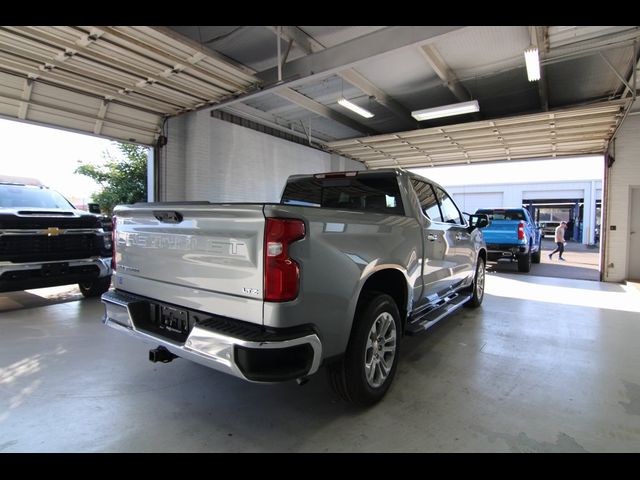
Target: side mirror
column 478, row 220
column 94, row 208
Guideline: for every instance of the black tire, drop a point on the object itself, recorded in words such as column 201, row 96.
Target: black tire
column 524, row 262
column 535, row 258
column 96, row 287
column 350, row 378
column 477, row 287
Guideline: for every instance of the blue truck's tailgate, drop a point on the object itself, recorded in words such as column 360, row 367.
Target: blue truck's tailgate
column 502, row 231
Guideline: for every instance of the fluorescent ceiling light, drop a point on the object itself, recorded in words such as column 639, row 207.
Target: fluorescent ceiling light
column 355, row 108
column 446, row 110
column 533, row 63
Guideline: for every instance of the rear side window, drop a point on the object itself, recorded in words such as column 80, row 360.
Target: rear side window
column 428, row 200
column 450, row 212
column 373, row 193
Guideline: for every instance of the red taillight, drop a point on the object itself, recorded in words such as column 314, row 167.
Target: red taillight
column 113, row 243
column 521, row 231
column 281, row 273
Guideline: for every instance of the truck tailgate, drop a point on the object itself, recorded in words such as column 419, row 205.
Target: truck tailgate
column 207, row 255
column 501, row 231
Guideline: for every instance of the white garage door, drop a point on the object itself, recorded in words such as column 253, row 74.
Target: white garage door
column 118, row 82
column 470, row 202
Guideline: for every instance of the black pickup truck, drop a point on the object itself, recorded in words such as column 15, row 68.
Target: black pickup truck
column 45, row 241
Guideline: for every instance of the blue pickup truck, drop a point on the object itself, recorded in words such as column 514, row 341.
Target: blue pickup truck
column 512, row 234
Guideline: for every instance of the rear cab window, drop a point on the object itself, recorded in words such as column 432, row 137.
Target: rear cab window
column 378, row 193
column 503, row 214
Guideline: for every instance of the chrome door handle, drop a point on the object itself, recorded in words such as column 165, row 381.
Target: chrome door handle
column 432, row 237
column 459, row 236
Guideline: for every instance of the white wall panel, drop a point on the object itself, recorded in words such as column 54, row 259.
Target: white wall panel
column 220, row 161
column 624, row 174
column 470, row 202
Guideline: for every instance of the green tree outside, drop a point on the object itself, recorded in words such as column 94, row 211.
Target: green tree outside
column 122, row 181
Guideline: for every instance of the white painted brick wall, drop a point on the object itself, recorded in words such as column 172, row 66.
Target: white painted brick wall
column 210, row 159
column 624, row 174
column 514, row 194
column 171, row 162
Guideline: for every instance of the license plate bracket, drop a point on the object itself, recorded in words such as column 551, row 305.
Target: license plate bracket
column 173, row 320
column 54, row 269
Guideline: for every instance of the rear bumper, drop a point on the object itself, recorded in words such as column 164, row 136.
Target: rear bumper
column 496, row 251
column 230, row 346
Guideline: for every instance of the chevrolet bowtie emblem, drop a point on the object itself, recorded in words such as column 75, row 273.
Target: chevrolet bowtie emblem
column 53, row 231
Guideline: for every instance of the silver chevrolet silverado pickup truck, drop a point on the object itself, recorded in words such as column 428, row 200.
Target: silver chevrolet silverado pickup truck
column 333, row 275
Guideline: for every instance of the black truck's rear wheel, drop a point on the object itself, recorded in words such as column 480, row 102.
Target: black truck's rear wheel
column 96, row 287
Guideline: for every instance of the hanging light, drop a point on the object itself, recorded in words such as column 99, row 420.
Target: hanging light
column 446, row 110
column 355, row 108
column 532, row 61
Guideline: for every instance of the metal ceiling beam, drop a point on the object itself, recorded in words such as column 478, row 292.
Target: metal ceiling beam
column 26, row 96
column 633, row 75
column 563, row 54
column 102, row 113
column 306, row 42
column 359, row 81
column 341, row 57
column 349, row 54
column 182, row 39
column 222, row 39
column 311, row 45
column 323, row 110
column 540, row 40
column 435, row 60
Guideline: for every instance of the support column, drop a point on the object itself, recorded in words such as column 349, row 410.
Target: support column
column 588, row 212
column 592, row 213
column 151, row 174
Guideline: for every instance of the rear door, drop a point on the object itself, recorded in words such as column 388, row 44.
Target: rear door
column 463, row 249
column 438, row 253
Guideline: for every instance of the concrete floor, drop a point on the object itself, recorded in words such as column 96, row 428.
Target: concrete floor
column 582, row 262
column 553, row 371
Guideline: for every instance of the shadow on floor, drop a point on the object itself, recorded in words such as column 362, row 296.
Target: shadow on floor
column 40, row 297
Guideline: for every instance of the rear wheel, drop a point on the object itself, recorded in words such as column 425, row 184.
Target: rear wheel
column 477, row 287
column 524, row 262
column 365, row 373
column 96, row 287
column 535, row 258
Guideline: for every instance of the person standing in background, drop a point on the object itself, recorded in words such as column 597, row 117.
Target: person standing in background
column 559, row 241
